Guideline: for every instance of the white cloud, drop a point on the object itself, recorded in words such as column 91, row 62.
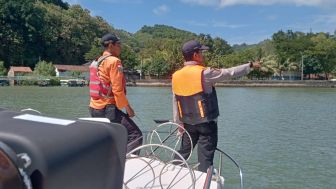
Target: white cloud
column 251, row 38
column 203, row 2
column 122, row 1
column 326, row 19
column 195, row 23
column 161, row 10
column 324, row 23
column 272, row 17
column 73, row 2
column 225, row 3
column 217, row 24
column 312, row 23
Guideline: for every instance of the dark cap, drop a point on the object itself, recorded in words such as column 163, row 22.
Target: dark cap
column 193, row 46
column 109, row 37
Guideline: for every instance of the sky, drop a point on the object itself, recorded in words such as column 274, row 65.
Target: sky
column 236, row 21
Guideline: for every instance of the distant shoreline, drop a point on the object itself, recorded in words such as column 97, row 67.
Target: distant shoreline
column 245, row 83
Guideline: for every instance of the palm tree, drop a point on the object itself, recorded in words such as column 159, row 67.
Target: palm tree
column 293, row 67
column 270, row 66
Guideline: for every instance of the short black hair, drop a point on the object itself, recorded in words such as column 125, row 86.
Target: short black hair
column 189, row 56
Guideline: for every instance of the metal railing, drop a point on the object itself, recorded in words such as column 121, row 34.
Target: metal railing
column 237, row 165
column 208, row 178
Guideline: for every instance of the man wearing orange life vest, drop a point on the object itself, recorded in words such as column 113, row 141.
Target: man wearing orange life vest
column 195, row 104
column 108, row 90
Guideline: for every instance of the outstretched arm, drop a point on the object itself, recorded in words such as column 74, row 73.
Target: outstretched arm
column 213, row 75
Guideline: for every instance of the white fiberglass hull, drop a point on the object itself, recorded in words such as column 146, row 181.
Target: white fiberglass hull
column 142, row 172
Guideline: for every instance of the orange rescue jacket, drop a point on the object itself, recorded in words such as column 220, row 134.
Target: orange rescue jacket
column 111, row 71
column 194, row 106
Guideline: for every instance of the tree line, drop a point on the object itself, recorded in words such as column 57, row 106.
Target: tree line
column 51, row 31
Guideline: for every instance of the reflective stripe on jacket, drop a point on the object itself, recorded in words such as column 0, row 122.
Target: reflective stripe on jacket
column 98, row 87
column 193, row 104
column 110, row 70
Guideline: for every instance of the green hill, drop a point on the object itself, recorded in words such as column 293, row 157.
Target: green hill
column 165, row 32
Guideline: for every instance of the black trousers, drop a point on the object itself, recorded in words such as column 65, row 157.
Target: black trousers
column 206, row 136
column 115, row 115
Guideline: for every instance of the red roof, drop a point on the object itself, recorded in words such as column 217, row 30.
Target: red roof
column 20, row 69
column 72, row 68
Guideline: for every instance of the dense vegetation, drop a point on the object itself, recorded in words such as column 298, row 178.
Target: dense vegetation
column 33, row 32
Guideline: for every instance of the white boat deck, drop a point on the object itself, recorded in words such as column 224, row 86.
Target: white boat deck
column 142, row 172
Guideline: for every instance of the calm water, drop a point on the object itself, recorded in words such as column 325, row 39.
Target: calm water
column 281, row 137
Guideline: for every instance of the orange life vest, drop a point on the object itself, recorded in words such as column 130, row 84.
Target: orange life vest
column 193, row 104
column 98, row 87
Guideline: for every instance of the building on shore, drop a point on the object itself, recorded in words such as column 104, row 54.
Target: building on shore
column 80, row 71
column 17, row 71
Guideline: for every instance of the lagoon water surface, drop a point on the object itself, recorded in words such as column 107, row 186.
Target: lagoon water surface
column 281, row 137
